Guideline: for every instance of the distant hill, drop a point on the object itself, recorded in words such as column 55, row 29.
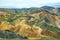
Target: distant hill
column 48, row 7
column 28, row 10
column 58, row 9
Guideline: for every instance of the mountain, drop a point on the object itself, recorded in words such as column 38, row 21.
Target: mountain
column 58, row 9
column 48, row 7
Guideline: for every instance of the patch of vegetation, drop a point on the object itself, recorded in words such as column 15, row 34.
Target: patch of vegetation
column 10, row 35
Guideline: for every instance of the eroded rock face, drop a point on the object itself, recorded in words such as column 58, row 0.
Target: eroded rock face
column 2, row 13
column 58, row 23
column 22, row 29
column 34, row 32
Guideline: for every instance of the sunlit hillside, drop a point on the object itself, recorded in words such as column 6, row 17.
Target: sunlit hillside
column 30, row 23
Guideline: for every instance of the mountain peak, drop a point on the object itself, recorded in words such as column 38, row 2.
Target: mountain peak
column 48, row 7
